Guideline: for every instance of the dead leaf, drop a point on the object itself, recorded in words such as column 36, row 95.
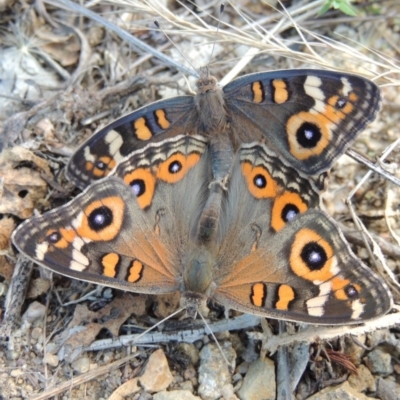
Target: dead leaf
column 46, row 128
column 18, row 154
column 7, row 225
column 21, row 189
column 85, row 325
column 37, row 287
column 128, row 388
column 167, row 304
column 63, row 48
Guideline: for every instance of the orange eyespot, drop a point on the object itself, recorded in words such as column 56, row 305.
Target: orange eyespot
column 259, row 182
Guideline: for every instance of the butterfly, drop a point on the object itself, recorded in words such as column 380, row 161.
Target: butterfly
column 259, row 244
column 307, row 117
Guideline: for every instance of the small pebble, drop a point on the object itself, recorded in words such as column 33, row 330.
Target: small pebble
column 52, row 348
column 379, row 362
column 51, row 359
column 35, row 311
column 16, row 372
column 81, row 365
column 36, row 333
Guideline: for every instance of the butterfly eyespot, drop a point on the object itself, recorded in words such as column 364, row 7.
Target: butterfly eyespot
column 102, row 166
column 54, row 237
column 286, row 207
column 175, row 167
column 289, row 212
column 100, row 218
column 260, row 181
column 341, row 102
column 138, row 187
column 314, row 256
column 142, row 184
column 351, row 292
column 308, row 135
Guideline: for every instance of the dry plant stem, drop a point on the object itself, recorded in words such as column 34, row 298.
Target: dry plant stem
column 331, row 382
column 44, row 331
column 361, row 227
column 15, row 298
column 298, row 361
column 13, row 126
column 391, row 211
column 42, row 11
column 355, row 237
column 157, row 324
column 253, row 51
column 389, row 65
column 230, row 366
column 341, row 359
column 244, row 321
column 84, row 57
column 53, row 64
column 53, row 184
column 375, row 167
column 319, row 333
column 122, row 89
column 70, row 6
column 315, row 23
column 296, row 25
column 361, row 344
column 283, row 384
column 88, row 376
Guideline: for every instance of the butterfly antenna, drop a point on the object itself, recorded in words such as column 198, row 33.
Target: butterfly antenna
column 221, row 11
column 157, row 324
column 230, row 366
column 174, row 44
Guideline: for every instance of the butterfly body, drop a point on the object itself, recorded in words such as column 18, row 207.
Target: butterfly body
column 258, row 244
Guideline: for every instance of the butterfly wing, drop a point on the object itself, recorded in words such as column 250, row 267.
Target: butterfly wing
column 282, row 257
column 96, row 157
column 125, row 235
column 309, row 117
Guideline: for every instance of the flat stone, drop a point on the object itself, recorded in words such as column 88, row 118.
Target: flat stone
column 213, row 371
column 157, row 375
column 341, row 392
column 259, row 382
column 51, row 359
column 190, row 350
column 175, row 395
column 364, row 381
column 34, row 312
column 81, row 365
column 379, row 362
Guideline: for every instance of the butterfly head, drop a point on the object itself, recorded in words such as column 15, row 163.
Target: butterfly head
column 207, row 84
column 193, row 302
